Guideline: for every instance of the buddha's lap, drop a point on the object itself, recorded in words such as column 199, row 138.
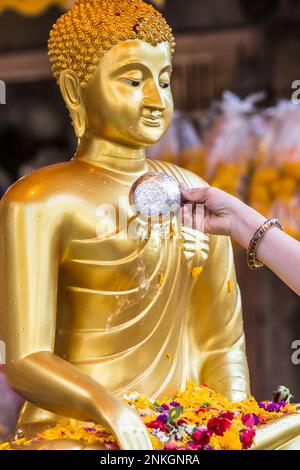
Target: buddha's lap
column 28, row 437
column 282, row 434
column 59, row 444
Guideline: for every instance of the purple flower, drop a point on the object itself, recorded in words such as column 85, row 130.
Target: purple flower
column 261, row 405
column 207, row 447
column 175, row 404
column 282, row 404
column 273, row 407
column 165, row 407
column 162, row 417
column 89, row 429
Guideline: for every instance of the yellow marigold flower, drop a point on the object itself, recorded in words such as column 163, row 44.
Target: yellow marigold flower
column 283, row 188
column 265, row 176
column 230, row 440
column 292, row 169
column 184, row 412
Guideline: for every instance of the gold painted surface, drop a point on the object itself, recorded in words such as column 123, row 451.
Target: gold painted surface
column 87, row 315
column 31, row 7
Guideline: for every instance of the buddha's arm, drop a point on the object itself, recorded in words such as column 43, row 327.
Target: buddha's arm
column 219, row 325
column 30, row 251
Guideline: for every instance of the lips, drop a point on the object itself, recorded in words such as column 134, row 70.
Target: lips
column 153, row 120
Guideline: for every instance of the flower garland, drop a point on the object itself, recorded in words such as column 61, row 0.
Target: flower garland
column 195, row 419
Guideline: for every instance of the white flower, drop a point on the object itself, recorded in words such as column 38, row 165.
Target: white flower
column 145, row 412
column 131, row 396
column 189, row 429
column 160, row 435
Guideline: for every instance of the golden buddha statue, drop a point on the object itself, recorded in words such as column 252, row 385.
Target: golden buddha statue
column 87, row 313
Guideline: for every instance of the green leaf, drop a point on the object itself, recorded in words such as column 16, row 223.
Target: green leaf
column 157, row 406
column 174, row 413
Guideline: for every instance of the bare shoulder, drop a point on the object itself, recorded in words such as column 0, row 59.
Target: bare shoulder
column 181, row 174
column 42, row 184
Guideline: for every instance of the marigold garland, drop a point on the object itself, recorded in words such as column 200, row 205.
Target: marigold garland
column 196, row 419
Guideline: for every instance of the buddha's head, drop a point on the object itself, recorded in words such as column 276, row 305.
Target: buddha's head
column 112, row 60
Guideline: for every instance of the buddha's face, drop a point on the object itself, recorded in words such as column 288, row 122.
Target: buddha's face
column 129, row 100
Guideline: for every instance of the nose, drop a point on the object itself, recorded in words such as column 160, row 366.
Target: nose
column 153, row 98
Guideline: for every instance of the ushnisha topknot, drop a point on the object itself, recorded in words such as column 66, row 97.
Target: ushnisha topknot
column 81, row 36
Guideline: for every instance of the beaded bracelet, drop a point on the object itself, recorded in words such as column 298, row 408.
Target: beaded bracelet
column 252, row 260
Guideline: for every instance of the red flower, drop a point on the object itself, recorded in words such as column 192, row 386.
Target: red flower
column 202, row 409
column 228, row 415
column 181, row 421
column 157, row 425
column 218, row 426
column 202, row 436
column 247, row 438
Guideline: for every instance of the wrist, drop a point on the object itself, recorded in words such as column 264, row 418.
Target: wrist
column 245, row 223
column 102, row 404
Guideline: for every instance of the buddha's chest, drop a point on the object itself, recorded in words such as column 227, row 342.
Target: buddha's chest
column 118, row 264
column 109, row 280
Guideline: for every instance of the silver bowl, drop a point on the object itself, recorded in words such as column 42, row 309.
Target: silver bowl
column 155, row 195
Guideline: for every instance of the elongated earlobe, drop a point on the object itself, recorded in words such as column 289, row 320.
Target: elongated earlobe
column 71, row 92
column 79, row 123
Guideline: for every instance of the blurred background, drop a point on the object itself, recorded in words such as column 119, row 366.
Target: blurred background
column 235, row 72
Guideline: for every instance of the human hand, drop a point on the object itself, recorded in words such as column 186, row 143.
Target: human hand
column 223, row 214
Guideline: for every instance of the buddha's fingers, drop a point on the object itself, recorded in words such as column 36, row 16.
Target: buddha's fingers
column 136, row 440
column 193, row 234
column 277, row 434
column 143, row 441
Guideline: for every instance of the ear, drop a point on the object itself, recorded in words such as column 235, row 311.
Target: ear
column 71, row 91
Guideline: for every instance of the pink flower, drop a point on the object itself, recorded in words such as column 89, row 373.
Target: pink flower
column 218, row 426
column 202, row 436
column 263, row 419
column 192, row 446
column 111, row 446
column 170, row 446
column 250, row 420
column 247, row 438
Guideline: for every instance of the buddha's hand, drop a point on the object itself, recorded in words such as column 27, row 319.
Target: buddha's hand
column 125, row 423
